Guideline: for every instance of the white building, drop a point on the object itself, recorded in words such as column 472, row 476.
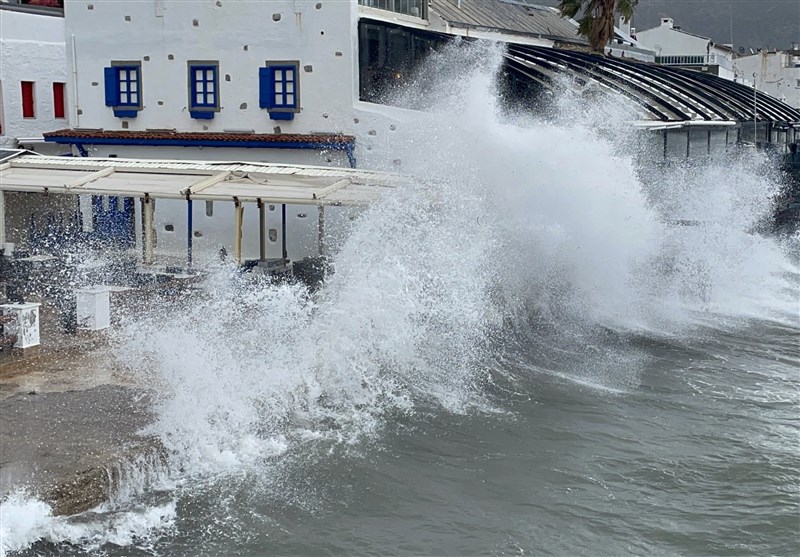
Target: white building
column 292, row 81
column 777, row 73
column 34, row 93
column 288, row 81
column 676, row 47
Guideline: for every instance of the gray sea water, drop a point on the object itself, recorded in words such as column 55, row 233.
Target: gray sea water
column 516, row 355
column 699, row 457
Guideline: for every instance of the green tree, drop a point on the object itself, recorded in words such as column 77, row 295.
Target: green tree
column 597, row 23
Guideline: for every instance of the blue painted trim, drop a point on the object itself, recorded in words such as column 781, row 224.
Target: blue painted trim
column 111, row 86
column 201, row 115
column 281, row 115
column 81, row 149
column 79, row 142
column 128, row 81
column 125, row 113
column 283, row 93
column 201, row 86
column 351, row 156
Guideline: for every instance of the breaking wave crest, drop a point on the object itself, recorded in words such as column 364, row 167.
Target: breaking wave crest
column 514, row 240
column 509, row 231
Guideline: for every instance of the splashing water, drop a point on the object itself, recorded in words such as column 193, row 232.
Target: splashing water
column 505, row 224
column 512, row 239
column 25, row 521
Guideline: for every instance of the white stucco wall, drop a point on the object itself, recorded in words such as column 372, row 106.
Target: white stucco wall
column 323, row 37
column 666, row 40
column 165, row 34
column 31, row 49
column 776, row 74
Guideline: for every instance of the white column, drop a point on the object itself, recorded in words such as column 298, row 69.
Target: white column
column 237, row 240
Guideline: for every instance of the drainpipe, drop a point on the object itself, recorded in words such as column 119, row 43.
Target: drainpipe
column 76, row 117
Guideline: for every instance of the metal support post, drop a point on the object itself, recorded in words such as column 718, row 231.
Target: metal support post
column 237, row 240
column 755, row 111
column 283, row 231
column 321, row 230
column 148, row 209
column 262, row 231
column 2, row 218
column 189, row 231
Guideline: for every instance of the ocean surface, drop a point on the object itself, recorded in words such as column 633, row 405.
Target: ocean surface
column 519, row 353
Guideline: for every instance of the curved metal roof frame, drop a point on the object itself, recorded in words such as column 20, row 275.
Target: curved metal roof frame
column 629, row 89
column 744, row 95
column 636, row 89
column 703, row 94
column 685, row 89
column 671, row 94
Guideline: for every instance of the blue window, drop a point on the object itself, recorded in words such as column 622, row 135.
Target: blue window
column 123, row 81
column 203, row 89
column 279, row 89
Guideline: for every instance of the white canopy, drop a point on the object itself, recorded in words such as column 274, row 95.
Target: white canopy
column 203, row 180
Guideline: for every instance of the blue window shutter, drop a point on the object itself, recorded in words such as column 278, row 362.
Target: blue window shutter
column 266, row 87
column 112, row 86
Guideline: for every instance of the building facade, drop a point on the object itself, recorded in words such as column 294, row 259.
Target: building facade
column 777, row 73
column 311, row 82
column 293, row 81
column 676, row 47
column 218, row 70
column 34, row 92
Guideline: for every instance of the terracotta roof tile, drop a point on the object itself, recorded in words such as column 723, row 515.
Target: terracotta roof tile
column 334, row 139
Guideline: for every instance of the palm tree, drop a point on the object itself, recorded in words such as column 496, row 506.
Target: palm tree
column 597, row 23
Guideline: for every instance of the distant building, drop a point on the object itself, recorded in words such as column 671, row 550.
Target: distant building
column 675, row 47
column 777, row 73
column 34, row 94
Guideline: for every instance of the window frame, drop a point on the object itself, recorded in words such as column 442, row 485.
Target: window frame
column 204, row 110
column 32, row 103
column 283, row 107
column 128, row 66
column 127, row 109
column 59, row 100
column 280, row 87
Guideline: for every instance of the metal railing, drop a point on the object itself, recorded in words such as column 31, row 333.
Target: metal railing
column 694, row 60
column 414, row 8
